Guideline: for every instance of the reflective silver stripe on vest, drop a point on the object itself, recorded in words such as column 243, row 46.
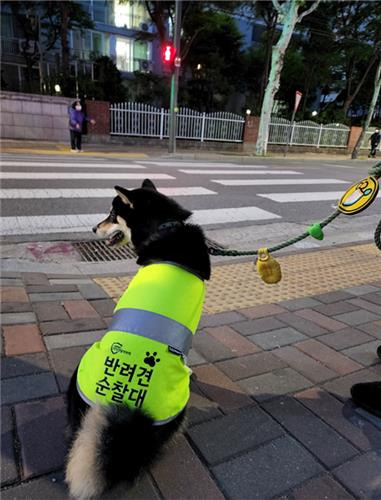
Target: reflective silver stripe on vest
column 153, row 326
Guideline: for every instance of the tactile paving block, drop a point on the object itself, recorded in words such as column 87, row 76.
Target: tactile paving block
column 236, row 286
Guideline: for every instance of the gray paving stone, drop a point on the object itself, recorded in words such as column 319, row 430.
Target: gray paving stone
column 336, row 308
column 42, row 297
column 341, row 386
column 267, row 471
column 92, row 291
column 50, row 487
column 319, row 488
column 343, row 339
column 200, row 408
column 71, row 325
column 249, row 366
column 277, row 338
column 355, row 318
column 260, row 325
column 219, row 319
column 34, row 278
column 373, row 329
column 194, row 358
column 64, row 363
column 312, row 432
column 15, row 307
column 142, row 490
column 304, row 303
column 301, row 324
column 275, row 383
column 40, row 427
column 366, row 304
column 72, row 339
column 330, row 297
column 50, row 311
column 24, row 365
column 51, row 288
column 8, row 468
column 11, row 282
column 366, row 354
column 362, row 476
column 28, row 387
column 373, row 297
column 304, row 364
column 71, row 281
column 240, row 431
column 361, row 290
column 373, row 419
column 210, row 348
column 17, row 318
column 104, row 307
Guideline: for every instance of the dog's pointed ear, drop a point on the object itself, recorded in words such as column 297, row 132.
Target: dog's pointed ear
column 124, row 195
column 148, row 184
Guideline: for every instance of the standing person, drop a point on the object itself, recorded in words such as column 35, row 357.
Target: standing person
column 76, row 121
column 374, row 142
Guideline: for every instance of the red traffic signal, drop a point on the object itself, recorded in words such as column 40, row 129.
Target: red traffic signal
column 168, row 54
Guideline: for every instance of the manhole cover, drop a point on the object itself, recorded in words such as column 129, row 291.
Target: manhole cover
column 99, row 251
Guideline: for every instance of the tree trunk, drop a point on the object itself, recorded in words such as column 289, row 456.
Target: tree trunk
column 65, row 50
column 278, row 52
column 265, row 75
column 373, row 102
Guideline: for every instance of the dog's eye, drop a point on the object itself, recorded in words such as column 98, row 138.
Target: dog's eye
column 112, row 217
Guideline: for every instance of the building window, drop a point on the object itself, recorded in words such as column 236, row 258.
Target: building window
column 124, row 54
column 129, row 14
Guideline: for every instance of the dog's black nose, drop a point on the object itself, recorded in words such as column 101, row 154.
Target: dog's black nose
column 94, row 229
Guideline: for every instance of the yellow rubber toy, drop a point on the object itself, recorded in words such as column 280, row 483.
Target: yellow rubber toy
column 268, row 268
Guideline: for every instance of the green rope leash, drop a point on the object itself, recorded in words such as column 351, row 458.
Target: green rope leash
column 375, row 171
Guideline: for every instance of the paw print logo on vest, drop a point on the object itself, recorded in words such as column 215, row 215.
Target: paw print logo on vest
column 151, row 360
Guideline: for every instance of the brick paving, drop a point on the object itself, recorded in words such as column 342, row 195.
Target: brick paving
column 270, row 414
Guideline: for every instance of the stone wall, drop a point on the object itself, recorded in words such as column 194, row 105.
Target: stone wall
column 33, row 116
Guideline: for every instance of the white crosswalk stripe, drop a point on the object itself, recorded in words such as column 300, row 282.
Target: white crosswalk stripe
column 77, row 166
column 81, row 175
column 12, row 194
column 83, row 222
column 270, row 182
column 301, row 197
column 240, row 172
column 185, row 164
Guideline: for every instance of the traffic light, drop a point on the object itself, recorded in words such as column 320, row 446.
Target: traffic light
column 168, row 53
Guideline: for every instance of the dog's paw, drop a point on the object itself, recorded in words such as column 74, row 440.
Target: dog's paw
column 151, row 360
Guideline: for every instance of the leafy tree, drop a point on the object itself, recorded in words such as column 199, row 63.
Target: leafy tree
column 290, row 16
column 46, row 23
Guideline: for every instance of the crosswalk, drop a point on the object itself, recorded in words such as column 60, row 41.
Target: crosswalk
column 36, row 187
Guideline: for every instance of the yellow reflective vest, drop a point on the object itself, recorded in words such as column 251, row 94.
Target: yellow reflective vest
column 139, row 362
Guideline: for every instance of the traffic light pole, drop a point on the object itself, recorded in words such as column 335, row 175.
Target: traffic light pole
column 175, row 81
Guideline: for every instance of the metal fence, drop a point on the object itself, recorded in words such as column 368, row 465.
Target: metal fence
column 137, row 119
column 308, row 133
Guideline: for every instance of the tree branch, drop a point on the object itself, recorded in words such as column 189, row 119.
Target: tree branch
column 308, row 11
column 278, row 7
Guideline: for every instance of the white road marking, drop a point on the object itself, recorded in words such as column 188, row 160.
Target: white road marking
column 78, row 165
column 12, row 194
column 301, row 197
column 79, row 175
column 280, row 182
column 200, row 165
column 84, row 222
column 240, row 172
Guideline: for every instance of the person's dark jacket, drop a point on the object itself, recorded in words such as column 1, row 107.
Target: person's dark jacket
column 375, row 139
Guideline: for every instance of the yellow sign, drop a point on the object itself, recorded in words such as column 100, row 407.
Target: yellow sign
column 359, row 196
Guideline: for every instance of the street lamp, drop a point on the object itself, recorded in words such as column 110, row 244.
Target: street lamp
column 248, row 112
column 57, row 88
column 314, row 113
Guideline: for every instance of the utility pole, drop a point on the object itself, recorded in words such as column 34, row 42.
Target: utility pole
column 175, row 80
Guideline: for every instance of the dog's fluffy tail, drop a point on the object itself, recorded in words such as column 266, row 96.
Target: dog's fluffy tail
column 114, row 443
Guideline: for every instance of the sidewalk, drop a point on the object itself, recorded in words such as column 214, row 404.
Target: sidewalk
column 112, row 150
column 270, row 412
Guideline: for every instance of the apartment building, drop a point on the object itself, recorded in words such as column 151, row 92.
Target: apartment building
column 122, row 31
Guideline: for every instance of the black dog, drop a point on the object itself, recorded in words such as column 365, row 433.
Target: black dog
column 114, row 440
